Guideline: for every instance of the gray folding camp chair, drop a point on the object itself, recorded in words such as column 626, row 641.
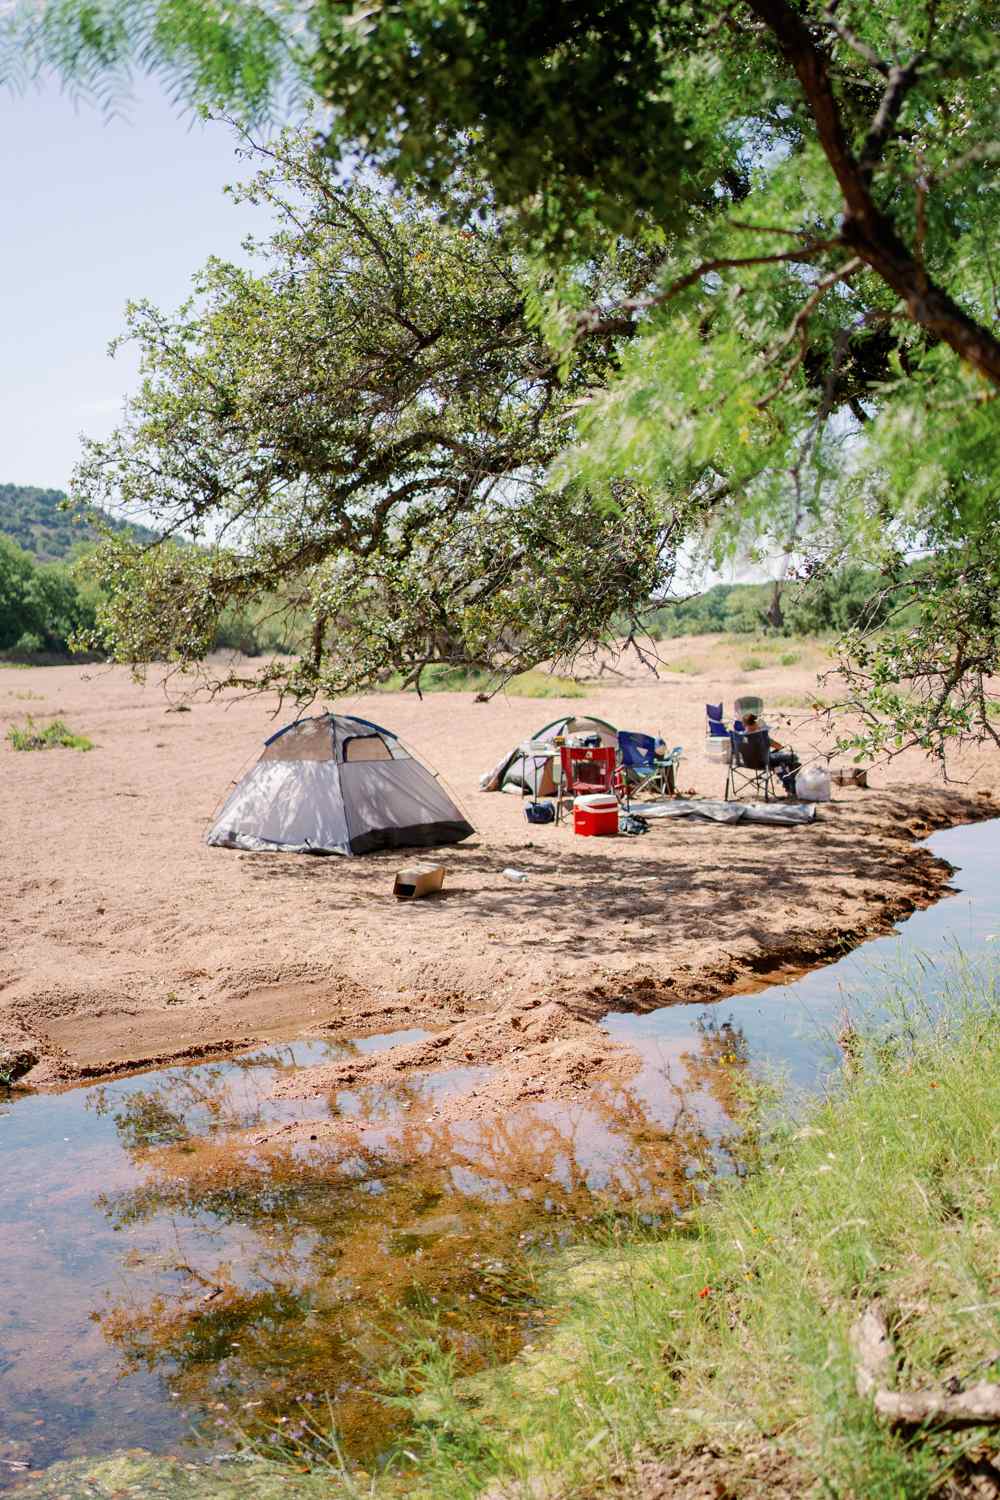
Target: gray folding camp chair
column 748, row 705
column 750, row 765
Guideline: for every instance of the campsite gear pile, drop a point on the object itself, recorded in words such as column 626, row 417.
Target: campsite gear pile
column 573, row 760
column 746, row 750
column 337, row 784
column 532, row 766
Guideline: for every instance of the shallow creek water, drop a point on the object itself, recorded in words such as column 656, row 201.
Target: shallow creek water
column 165, row 1281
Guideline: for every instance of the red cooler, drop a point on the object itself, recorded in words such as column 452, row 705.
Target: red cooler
column 595, row 814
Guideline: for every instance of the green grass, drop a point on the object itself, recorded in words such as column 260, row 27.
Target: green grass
column 752, row 664
column 33, row 737
column 789, row 658
column 733, row 1331
column 815, row 701
column 535, row 684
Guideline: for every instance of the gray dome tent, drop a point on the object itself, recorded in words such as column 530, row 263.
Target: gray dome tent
column 337, row 784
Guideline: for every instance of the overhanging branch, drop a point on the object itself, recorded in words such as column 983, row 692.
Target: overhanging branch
column 867, row 231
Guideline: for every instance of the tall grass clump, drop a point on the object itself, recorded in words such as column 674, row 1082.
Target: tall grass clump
column 732, row 1334
column 56, row 734
column 534, row 684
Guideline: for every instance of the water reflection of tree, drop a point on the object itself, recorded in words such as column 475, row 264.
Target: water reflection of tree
column 203, row 1100
column 298, row 1268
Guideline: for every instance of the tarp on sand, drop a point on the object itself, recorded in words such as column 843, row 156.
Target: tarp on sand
column 728, row 812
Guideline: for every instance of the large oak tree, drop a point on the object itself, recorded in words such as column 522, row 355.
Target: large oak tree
column 353, row 436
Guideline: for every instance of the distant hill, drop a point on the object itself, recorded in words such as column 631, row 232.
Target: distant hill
column 33, row 519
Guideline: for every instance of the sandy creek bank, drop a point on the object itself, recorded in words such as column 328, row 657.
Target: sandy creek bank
column 126, row 942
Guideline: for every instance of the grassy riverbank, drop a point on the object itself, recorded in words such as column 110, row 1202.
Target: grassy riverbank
column 732, row 1335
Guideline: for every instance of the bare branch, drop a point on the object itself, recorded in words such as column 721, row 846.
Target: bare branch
column 976, row 1407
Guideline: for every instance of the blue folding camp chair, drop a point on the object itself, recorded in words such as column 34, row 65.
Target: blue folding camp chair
column 716, row 724
column 642, row 769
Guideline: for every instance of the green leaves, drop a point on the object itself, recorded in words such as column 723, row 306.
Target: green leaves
column 355, row 436
column 566, row 109
column 41, row 605
column 927, row 683
column 232, row 53
column 732, row 261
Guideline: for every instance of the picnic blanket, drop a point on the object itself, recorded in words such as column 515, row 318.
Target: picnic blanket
column 729, row 812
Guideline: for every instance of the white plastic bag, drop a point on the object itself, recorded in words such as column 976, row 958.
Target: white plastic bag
column 813, row 784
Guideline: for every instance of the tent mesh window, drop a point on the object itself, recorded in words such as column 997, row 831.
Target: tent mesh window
column 310, row 739
column 366, row 747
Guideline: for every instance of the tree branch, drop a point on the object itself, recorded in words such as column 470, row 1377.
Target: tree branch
column 852, row 40
column 901, row 80
column 592, row 322
column 867, row 230
column 798, row 326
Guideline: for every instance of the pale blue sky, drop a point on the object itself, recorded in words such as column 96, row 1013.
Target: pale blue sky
column 95, row 211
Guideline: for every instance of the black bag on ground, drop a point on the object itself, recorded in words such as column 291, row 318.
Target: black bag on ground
column 632, row 823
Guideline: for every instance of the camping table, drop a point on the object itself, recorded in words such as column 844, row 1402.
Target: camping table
column 537, row 756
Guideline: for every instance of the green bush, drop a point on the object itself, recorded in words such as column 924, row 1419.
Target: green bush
column 831, row 602
column 41, row 604
column 56, row 734
column 835, row 602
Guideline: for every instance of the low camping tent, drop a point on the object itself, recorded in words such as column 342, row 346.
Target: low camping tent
column 337, row 784
column 517, row 772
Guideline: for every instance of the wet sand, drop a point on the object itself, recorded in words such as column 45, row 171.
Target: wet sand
column 126, row 942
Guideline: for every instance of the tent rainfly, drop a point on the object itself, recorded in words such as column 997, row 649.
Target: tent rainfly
column 337, row 785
